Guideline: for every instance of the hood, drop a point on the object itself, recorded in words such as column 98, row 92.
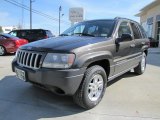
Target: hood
column 65, row 43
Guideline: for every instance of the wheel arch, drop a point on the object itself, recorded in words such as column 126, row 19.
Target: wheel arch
column 101, row 58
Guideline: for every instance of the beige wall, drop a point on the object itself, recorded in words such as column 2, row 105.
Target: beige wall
column 151, row 13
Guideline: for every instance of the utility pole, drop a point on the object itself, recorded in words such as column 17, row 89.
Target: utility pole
column 31, row 14
column 60, row 8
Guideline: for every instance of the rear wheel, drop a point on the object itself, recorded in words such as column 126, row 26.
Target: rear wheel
column 142, row 65
column 2, row 51
column 92, row 87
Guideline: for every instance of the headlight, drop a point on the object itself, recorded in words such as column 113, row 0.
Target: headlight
column 57, row 60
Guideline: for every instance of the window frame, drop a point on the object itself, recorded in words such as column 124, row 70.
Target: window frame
column 118, row 26
column 139, row 31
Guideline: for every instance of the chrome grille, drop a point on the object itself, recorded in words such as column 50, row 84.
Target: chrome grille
column 29, row 59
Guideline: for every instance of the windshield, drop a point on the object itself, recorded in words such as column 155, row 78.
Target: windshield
column 99, row 28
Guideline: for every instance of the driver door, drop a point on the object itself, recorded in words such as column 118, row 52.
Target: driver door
column 123, row 52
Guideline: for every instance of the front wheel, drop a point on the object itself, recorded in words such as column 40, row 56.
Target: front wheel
column 92, row 87
column 141, row 66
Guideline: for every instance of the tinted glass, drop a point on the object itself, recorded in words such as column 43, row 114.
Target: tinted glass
column 49, row 34
column 136, row 32
column 9, row 36
column 143, row 31
column 99, row 28
column 124, row 29
column 14, row 33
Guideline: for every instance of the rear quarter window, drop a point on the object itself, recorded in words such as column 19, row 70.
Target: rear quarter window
column 143, row 31
column 136, row 31
column 49, row 34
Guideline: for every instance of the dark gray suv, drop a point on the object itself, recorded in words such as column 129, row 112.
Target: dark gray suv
column 82, row 60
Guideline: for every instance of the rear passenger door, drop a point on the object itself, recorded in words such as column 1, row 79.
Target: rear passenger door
column 138, row 38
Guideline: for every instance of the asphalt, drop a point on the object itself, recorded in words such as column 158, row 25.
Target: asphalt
column 128, row 97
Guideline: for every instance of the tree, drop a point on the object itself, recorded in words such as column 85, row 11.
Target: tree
column 1, row 29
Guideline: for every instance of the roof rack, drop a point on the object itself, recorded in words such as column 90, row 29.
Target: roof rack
column 117, row 18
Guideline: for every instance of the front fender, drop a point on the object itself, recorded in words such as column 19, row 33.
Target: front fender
column 88, row 58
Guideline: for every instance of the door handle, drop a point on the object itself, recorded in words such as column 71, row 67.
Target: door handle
column 132, row 45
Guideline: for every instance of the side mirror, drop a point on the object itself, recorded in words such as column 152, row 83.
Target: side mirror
column 126, row 37
column 118, row 40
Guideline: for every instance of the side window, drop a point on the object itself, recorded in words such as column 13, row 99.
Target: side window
column 49, row 34
column 136, row 31
column 124, row 28
column 143, row 31
column 14, row 33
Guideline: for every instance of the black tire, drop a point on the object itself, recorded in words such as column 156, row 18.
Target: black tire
column 81, row 97
column 4, row 51
column 139, row 69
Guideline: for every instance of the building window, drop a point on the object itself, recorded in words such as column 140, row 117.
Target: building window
column 149, row 31
column 150, row 27
column 158, row 31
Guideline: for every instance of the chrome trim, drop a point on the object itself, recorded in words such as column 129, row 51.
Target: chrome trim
column 121, row 73
column 127, row 57
column 29, row 59
column 124, row 61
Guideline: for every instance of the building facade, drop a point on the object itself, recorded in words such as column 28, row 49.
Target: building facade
column 150, row 20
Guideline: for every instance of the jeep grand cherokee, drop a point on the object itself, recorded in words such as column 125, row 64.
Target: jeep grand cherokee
column 83, row 59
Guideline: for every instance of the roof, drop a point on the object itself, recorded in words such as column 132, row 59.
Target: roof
column 114, row 19
column 27, row 29
column 147, row 7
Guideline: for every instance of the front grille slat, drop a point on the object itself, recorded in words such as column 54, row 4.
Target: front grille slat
column 35, row 62
column 24, row 57
column 20, row 57
column 29, row 59
column 30, row 64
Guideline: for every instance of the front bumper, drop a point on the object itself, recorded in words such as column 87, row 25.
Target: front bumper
column 66, row 80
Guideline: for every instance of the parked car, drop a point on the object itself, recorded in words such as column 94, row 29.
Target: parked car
column 9, row 43
column 84, row 58
column 32, row 34
column 153, row 42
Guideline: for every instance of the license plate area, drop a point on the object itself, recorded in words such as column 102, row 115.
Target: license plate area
column 20, row 74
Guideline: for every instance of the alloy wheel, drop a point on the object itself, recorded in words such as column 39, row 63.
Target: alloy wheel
column 95, row 87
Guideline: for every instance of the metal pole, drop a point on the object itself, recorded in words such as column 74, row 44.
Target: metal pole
column 60, row 8
column 30, row 14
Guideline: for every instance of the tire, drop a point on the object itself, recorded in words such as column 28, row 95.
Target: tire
column 140, row 69
column 2, row 50
column 91, row 91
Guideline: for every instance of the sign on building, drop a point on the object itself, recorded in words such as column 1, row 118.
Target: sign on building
column 76, row 14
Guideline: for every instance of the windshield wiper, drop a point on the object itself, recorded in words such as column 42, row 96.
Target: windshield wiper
column 83, row 34
column 63, row 35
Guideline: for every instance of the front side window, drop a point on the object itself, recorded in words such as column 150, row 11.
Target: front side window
column 124, row 28
column 99, row 28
